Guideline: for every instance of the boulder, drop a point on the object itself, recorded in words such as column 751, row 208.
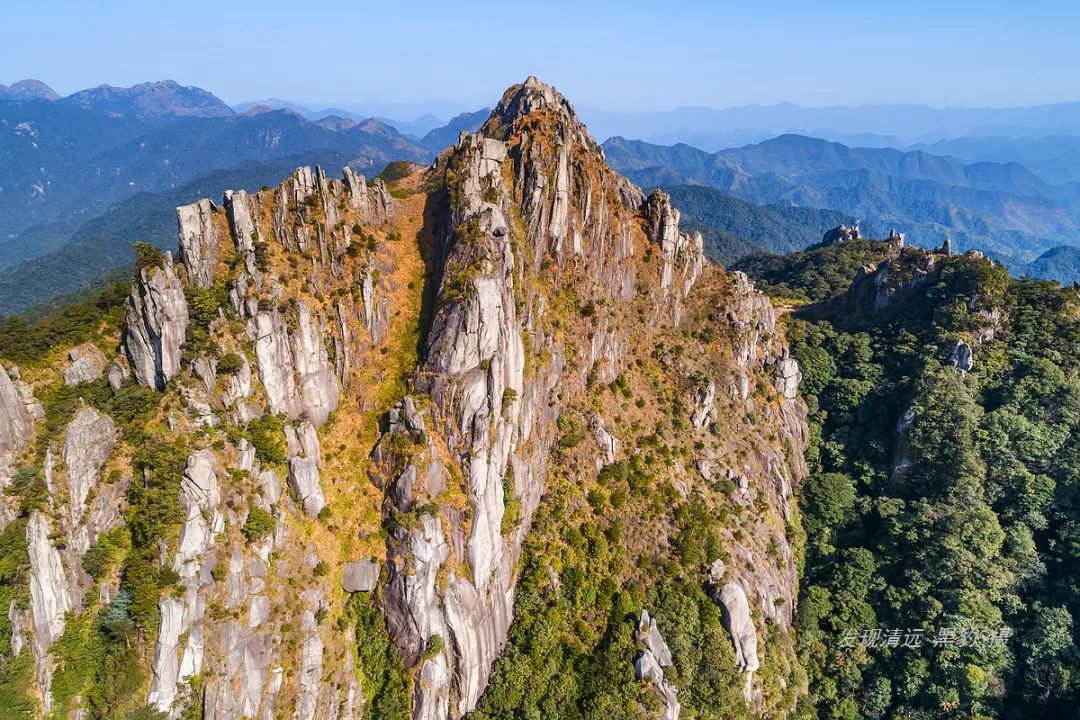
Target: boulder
column 647, row 668
column 608, row 443
column 841, row 234
column 361, row 576
column 961, row 357
column 20, row 627
column 304, row 481
column 118, row 375
column 787, row 376
column 87, row 364
column 650, row 635
column 704, row 411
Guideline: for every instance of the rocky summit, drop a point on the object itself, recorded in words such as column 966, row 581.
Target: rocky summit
column 491, row 440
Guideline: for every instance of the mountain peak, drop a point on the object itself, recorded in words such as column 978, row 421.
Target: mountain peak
column 153, row 99
column 28, row 89
column 525, row 98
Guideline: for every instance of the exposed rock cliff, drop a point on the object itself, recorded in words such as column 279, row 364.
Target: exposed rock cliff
column 366, row 405
column 157, row 320
column 49, row 600
column 199, row 249
column 16, row 423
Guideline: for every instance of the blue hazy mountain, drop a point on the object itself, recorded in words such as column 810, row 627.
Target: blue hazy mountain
column 1003, row 208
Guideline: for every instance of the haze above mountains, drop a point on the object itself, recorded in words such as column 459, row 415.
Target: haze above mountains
column 84, row 176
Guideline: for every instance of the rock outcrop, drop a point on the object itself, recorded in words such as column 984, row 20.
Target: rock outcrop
column 961, row 357
column 373, row 201
column 156, row 324
column 87, row 363
column 241, row 225
column 304, row 470
column 16, row 422
column 841, row 234
column 787, row 376
column 49, row 600
column 199, row 249
column 683, row 255
column 650, row 664
column 361, row 576
column 654, row 641
column 533, row 159
column 88, row 442
column 488, row 314
column 181, row 635
column 294, row 366
column 740, row 624
column 608, row 443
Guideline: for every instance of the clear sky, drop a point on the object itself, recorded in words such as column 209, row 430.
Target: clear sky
column 624, row 55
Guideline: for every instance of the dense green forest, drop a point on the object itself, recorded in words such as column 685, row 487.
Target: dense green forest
column 814, row 274
column 941, row 503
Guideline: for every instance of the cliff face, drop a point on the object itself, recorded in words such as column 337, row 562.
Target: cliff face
column 528, row 196
column 361, row 404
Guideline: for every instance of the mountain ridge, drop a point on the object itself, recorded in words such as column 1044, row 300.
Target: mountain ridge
column 432, row 369
column 1002, row 208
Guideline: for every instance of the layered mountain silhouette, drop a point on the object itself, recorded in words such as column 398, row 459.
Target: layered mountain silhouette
column 1002, row 208
column 69, row 164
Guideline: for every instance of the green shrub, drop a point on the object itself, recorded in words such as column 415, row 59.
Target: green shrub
column 107, row 552
column 29, row 343
column 435, row 645
column 395, row 171
column 384, row 680
column 259, row 524
column 230, row 364
column 147, row 256
column 29, row 486
column 267, row 436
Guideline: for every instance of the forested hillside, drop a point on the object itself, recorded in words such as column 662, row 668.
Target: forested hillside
column 944, row 403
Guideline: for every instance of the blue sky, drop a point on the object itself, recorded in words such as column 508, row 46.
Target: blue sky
column 625, row 55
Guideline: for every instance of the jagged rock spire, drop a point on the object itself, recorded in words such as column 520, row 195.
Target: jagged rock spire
column 527, row 98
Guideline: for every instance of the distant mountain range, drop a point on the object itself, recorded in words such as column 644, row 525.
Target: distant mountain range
column 71, row 168
column 1001, row 208
column 410, row 119
column 895, row 125
column 101, row 246
column 733, row 228
column 65, row 161
column 1054, row 158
